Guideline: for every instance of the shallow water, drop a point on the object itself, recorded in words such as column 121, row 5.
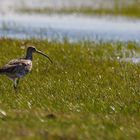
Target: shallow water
column 74, row 27
column 135, row 60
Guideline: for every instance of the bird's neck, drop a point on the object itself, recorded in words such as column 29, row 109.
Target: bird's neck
column 29, row 55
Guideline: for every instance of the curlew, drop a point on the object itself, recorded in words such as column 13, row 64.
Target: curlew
column 18, row 68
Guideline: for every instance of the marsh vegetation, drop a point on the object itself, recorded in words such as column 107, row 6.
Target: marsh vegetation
column 115, row 8
column 87, row 93
column 92, row 89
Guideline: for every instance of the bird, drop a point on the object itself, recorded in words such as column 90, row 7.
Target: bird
column 18, row 68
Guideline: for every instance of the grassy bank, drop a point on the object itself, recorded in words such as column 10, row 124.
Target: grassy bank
column 131, row 10
column 87, row 93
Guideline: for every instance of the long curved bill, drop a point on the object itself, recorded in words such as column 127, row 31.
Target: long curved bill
column 44, row 55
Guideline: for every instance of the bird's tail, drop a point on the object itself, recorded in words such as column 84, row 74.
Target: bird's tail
column 1, row 71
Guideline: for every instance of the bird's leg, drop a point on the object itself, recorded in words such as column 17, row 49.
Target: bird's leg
column 16, row 82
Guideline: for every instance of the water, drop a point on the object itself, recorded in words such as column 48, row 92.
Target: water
column 135, row 60
column 74, row 27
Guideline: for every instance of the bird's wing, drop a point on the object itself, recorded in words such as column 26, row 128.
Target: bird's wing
column 9, row 69
column 14, row 66
column 14, row 62
column 19, row 62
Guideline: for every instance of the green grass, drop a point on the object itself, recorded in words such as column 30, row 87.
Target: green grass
column 87, row 93
column 131, row 10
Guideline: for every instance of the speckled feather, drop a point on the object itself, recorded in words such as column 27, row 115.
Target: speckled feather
column 17, row 68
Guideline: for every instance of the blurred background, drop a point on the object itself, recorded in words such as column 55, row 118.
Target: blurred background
column 75, row 20
column 50, row 6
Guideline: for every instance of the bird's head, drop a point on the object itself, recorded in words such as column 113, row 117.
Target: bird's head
column 32, row 49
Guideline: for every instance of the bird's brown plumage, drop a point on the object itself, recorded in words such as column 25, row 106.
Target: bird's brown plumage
column 17, row 68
